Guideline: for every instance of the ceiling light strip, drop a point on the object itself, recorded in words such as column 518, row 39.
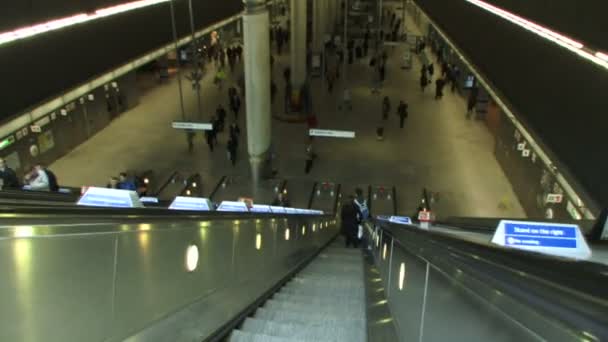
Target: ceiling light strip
column 30, row 31
column 596, row 57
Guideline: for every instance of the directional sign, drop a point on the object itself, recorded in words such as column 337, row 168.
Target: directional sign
column 278, row 210
column 192, row 125
column 291, row 211
column 239, row 207
column 111, row 198
column 191, row 203
column 424, row 216
column 565, row 240
column 259, row 208
column 400, row 220
column 331, row 134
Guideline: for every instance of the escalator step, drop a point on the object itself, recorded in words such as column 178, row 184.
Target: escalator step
column 315, row 300
column 243, row 336
column 321, row 293
column 309, row 331
column 305, row 318
column 326, row 309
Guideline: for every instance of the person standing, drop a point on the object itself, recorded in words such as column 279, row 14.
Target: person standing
column 221, row 118
column 310, row 156
column 8, row 176
column 402, row 112
column 350, row 222
column 431, row 69
column 124, row 183
column 386, row 107
column 210, row 139
column 235, row 105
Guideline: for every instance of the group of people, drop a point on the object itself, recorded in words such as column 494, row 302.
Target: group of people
column 219, row 123
column 39, row 178
column 402, row 113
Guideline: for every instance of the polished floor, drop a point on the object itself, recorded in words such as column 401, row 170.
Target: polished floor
column 438, row 148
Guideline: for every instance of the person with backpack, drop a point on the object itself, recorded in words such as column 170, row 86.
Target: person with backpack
column 361, row 203
column 351, row 219
column 124, row 183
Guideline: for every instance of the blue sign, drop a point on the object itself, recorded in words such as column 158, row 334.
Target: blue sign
column 564, row 240
column 400, row 220
column 278, row 210
column 148, row 199
column 522, row 234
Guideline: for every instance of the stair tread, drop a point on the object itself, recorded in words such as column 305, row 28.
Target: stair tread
column 310, row 331
column 244, row 336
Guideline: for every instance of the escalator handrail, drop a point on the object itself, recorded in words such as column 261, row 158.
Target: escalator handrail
column 312, row 195
column 57, row 219
column 189, row 180
column 217, row 188
column 165, row 184
column 337, row 192
column 572, row 292
column 394, row 200
column 30, row 195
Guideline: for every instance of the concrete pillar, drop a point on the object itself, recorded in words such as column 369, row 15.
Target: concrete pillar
column 256, row 24
column 319, row 24
column 298, row 43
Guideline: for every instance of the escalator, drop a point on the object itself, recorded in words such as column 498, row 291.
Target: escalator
column 231, row 188
column 324, row 302
column 179, row 184
column 151, row 274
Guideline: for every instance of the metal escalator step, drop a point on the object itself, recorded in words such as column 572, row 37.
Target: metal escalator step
column 328, row 305
column 243, row 336
column 287, row 316
column 321, row 293
column 310, row 331
column 328, row 309
column 315, row 300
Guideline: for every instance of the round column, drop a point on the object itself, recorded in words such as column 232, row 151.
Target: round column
column 298, row 43
column 256, row 24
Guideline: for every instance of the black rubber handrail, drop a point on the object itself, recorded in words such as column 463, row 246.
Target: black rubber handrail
column 165, row 184
column 369, row 199
column 338, row 192
column 312, row 195
column 217, row 188
column 571, row 292
column 394, row 200
column 191, row 179
column 427, row 202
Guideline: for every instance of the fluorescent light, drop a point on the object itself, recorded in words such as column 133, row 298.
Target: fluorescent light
column 557, row 38
column 29, row 31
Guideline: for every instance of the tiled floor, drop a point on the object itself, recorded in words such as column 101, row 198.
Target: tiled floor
column 438, row 148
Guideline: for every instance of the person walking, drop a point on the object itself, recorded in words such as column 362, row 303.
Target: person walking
column 235, row 105
column 402, row 112
column 209, row 138
column 8, row 176
column 423, row 81
column 351, row 219
column 439, row 84
column 235, row 132
column 221, row 118
column 231, row 148
column 431, row 69
column 386, row 107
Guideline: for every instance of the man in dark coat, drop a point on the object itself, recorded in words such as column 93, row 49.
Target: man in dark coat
column 8, row 176
column 402, row 112
column 351, row 219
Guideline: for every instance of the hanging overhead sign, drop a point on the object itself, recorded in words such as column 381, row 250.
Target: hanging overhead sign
column 331, row 133
column 192, row 125
column 111, row 198
column 564, row 240
column 191, row 203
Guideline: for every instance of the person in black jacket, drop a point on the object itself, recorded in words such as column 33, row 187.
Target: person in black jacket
column 8, row 176
column 351, row 218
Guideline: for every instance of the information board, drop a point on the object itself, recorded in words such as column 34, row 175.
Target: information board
column 331, row 133
column 191, row 203
column 565, row 240
column 110, row 198
column 192, row 125
column 400, row 220
column 239, row 207
column 260, row 208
